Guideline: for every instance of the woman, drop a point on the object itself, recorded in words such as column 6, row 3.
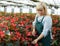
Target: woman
column 42, row 24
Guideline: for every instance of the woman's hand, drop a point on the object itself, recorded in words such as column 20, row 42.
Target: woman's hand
column 35, row 41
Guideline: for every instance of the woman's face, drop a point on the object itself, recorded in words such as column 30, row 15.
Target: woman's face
column 40, row 11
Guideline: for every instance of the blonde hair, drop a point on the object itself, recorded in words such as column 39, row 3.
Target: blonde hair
column 43, row 6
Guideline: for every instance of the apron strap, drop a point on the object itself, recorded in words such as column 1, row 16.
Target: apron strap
column 42, row 18
column 36, row 19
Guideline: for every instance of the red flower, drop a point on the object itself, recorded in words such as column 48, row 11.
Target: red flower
column 1, row 25
column 22, row 23
column 18, row 35
column 11, row 33
column 54, row 28
column 22, row 38
column 36, row 44
column 28, row 26
column 2, row 34
column 55, row 21
column 58, row 28
column 26, row 38
column 14, row 25
column 14, row 38
column 7, row 18
column 22, row 17
column 28, row 33
column 29, row 44
column 16, row 18
column 30, row 39
column 0, row 18
column 7, row 28
column 12, row 20
column 27, row 20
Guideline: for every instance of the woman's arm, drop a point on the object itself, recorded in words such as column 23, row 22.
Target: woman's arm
column 34, row 22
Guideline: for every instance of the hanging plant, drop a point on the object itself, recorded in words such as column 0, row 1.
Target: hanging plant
column 56, row 7
column 50, row 6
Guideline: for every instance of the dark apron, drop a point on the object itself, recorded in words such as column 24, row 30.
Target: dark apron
column 39, row 28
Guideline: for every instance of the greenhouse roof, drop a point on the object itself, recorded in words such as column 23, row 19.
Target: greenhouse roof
column 31, row 3
column 54, row 3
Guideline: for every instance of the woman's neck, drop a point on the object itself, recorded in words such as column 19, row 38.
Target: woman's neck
column 41, row 14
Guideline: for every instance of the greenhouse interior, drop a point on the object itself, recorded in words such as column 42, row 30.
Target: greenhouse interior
column 16, row 22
